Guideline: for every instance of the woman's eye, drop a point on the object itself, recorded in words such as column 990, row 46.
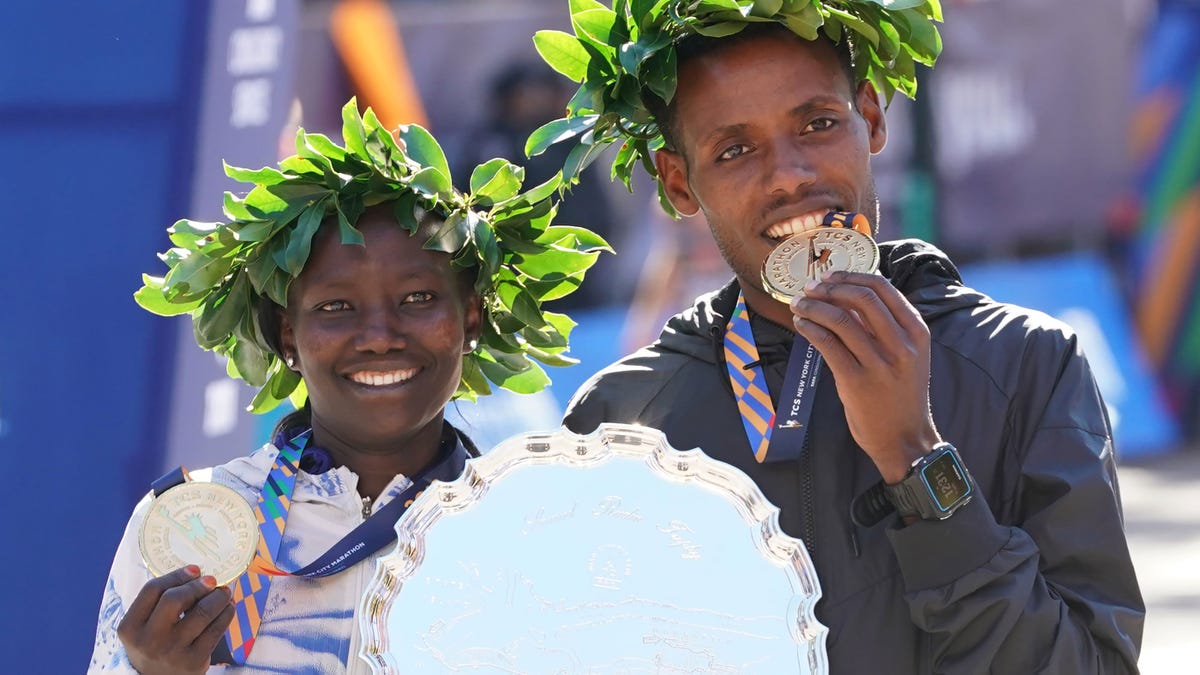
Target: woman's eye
column 334, row 306
column 419, row 297
column 732, row 152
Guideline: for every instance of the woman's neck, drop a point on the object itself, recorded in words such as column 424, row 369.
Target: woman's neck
column 376, row 461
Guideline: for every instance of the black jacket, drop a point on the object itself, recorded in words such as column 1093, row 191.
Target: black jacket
column 1033, row 575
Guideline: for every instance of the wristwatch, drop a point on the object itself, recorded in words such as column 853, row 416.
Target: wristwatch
column 936, row 486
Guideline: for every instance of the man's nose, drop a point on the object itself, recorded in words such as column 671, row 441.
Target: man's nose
column 791, row 167
column 381, row 330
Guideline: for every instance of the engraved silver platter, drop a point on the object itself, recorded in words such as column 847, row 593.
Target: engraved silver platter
column 605, row 553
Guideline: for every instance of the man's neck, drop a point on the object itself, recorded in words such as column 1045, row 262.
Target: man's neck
column 766, row 306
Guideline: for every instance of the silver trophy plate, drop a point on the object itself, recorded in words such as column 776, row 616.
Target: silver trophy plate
column 605, row 553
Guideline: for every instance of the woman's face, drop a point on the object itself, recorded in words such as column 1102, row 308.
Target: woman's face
column 378, row 332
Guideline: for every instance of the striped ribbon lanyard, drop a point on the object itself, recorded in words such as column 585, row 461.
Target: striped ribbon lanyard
column 250, row 591
column 774, row 436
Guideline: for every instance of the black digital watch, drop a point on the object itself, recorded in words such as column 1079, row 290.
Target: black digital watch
column 936, row 485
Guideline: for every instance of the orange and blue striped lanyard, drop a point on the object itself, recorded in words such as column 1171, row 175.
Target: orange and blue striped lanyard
column 779, row 434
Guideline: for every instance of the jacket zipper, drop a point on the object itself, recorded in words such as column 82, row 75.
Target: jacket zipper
column 806, row 497
column 366, row 511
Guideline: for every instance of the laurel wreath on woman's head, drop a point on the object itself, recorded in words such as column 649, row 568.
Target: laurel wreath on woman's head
column 220, row 272
column 620, row 53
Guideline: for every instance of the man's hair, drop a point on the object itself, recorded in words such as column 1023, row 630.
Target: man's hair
column 696, row 45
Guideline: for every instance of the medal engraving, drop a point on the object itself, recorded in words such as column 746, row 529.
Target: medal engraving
column 200, row 523
column 806, row 256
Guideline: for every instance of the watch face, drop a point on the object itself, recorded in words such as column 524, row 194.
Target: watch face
column 946, row 481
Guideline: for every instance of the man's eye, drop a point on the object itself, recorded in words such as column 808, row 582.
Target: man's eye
column 334, row 306
column 419, row 297
column 733, row 151
column 820, row 124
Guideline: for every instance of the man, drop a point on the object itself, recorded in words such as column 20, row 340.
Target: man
column 1024, row 566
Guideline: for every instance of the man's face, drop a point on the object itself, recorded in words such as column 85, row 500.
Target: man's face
column 769, row 142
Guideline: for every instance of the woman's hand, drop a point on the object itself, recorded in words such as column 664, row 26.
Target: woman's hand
column 174, row 623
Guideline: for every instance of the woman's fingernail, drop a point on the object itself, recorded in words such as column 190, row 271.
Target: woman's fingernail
column 209, row 581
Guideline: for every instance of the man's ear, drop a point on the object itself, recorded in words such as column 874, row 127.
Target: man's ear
column 872, row 112
column 673, row 172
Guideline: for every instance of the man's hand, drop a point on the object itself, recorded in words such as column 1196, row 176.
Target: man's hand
column 173, row 624
column 877, row 347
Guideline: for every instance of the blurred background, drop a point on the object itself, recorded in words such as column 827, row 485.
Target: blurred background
column 1054, row 153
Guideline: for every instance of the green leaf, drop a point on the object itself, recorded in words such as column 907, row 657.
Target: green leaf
column 520, row 303
column 349, row 234
column 353, row 133
column 473, row 377
column 283, row 381
column 299, row 395
column 858, row 25
column 529, row 380
column 484, row 239
column 195, row 273
column 556, row 260
column 581, row 157
column 595, row 24
column 432, row 182
column 450, row 236
column 804, row 22
column 248, row 362
column 554, row 285
column 263, row 176
column 766, row 8
column 423, row 148
column 496, row 180
column 221, row 311
column 150, row 297
column 253, row 231
column 894, row 5
column 659, row 74
column 563, row 52
column 187, row 233
column 550, row 359
column 282, row 202
column 574, row 238
column 557, row 131
column 300, row 241
column 322, row 144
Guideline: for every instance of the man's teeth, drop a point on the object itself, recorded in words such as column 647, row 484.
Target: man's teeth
column 383, row 379
column 796, row 225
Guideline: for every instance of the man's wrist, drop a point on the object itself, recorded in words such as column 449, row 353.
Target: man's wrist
column 936, row 486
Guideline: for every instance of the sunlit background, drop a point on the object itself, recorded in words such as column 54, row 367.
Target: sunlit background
column 1054, row 153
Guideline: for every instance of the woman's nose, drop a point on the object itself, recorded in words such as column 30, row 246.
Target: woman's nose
column 381, row 331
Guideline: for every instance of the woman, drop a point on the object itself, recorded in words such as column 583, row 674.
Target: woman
column 359, row 277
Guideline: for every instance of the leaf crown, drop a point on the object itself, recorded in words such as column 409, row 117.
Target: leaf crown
column 219, row 273
column 619, row 54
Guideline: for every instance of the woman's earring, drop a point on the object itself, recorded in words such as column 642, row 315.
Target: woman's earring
column 472, row 345
column 290, row 361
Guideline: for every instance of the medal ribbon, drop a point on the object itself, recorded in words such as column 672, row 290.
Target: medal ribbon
column 251, row 589
column 774, row 436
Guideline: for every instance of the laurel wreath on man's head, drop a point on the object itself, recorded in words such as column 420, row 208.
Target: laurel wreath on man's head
column 622, row 51
column 219, row 272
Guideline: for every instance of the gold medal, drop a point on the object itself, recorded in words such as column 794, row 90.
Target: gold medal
column 200, row 523
column 806, row 256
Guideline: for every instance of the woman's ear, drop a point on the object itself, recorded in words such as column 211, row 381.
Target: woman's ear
column 472, row 322
column 287, row 341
